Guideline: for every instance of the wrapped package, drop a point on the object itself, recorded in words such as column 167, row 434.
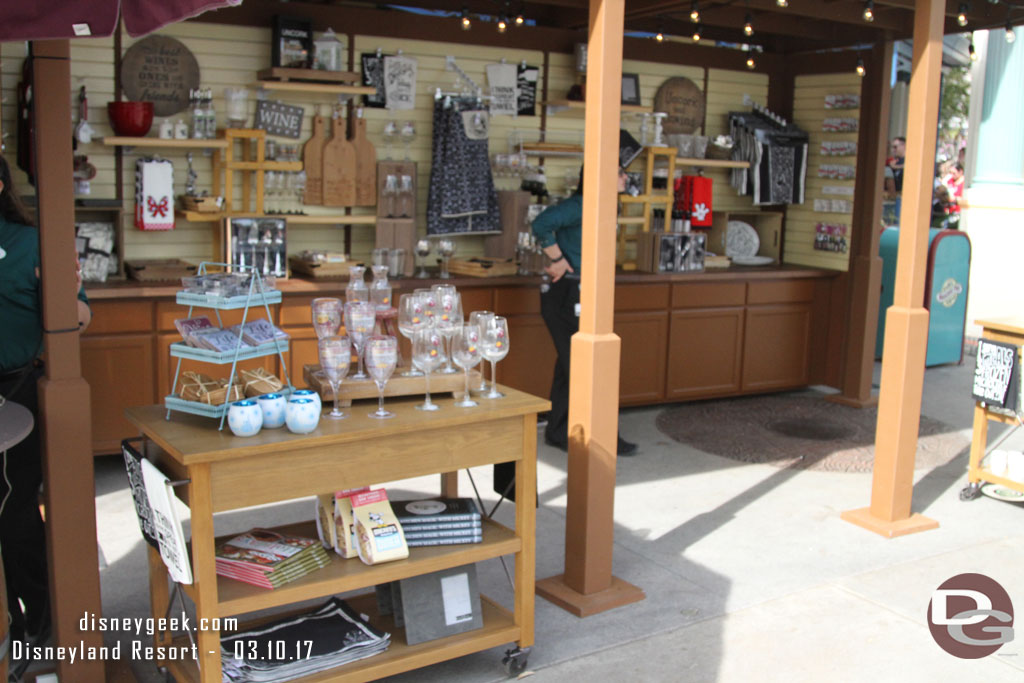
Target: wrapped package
column 258, row 381
column 195, row 385
column 379, row 535
column 223, row 393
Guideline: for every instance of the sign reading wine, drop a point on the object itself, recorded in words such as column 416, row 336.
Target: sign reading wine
column 279, row 119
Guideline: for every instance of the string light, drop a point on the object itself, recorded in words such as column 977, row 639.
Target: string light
column 466, row 23
column 782, row 3
column 520, row 20
column 860, row 67
column 750, row 62
column 869, row 10
column 748, row 27
column 694, row 12
column 971, row 52
column 502, row 25
column 961, row 17
column 659, row 36
column 696, row 33
column 1010, row 36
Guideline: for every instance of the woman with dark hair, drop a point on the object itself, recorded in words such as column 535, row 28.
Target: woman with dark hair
column 22, row 537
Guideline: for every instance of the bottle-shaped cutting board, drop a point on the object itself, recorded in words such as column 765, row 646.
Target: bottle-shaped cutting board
column 313, row 162
column 366, row 163
column 339, row 166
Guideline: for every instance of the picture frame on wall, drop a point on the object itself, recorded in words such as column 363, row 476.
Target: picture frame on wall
column 631, row 89
column 292, row 42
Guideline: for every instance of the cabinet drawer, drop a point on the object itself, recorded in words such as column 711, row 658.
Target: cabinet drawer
column 642, row 297
column 516, row 300
column 114, row 317
column 295, row 310
column 708, row 294
column 780, row 292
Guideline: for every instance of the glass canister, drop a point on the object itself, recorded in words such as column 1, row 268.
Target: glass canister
column 356, row 290
column 380, row 289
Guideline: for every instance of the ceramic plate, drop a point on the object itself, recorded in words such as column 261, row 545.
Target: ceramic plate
column 741, row 240
column 1000, row 492
column 752, row 260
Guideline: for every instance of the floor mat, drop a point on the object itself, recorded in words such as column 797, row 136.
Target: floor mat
column 798, row 430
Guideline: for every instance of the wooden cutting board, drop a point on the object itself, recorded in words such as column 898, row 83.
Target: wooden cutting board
column 366, row 165
column 339, row 168
column 313, row 160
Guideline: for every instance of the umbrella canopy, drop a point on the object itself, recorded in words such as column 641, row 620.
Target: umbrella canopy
column 56, row 19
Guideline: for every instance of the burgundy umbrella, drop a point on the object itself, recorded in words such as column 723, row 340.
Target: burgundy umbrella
column 55, row 19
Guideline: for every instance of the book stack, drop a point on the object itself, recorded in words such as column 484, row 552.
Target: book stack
column 269, row 559
column 439, row 521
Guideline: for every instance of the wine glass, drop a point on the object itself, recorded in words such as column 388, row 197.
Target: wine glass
column 466, row 352
column 428, row 300
column 326, row 316
column 408, row 134
column 390, row 132
column 410, row 319
column 407, row 199
column 445, row 249
column 494, row 347
column 427, row 349
column 482, row 319
column 381, row 359
column 448, row 318
column 335, row 357
column 423, row 251
column 390, row 195
column 360, row 317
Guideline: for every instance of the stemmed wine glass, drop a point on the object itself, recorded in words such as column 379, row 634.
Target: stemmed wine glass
column 466, row 352
column 482, row 319
column 428, row 301
column 494, row 347
column 410, row 319
column 449, row 317
column 335, row 357
column 360, row 317
column 326, row 316
column 423, row 251
column 381, row 359
column 445, row 249
column 408, row 134
column 390, row 132
column 427, row 349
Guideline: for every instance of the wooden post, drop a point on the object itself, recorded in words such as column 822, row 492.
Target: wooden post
column 587, row 586
column 906, row 324
column 63, row 394
column 866, row 264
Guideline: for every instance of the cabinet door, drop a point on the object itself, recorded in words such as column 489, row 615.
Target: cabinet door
column 119, row 370
column 531, row 358
column 704, row 352
column 783, row 362
column 302, row 351
column 165, row 365
column 644, row 338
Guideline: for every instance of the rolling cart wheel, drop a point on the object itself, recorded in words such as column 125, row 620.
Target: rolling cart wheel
column 970, row 492
column 515, row 661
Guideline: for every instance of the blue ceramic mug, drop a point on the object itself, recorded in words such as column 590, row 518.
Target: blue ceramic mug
column 273, row 406
column 302, row 415
column 245, row 418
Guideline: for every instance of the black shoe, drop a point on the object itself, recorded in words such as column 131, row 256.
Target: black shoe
column 625, row 448
column 555, row 443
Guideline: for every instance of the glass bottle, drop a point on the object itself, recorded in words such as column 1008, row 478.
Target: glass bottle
column 380, row 289
column 211, row 116
column 198, row 115
column 356, row 290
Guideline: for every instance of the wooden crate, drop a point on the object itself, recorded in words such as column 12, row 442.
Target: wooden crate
column 354, row 390
column 482, row 267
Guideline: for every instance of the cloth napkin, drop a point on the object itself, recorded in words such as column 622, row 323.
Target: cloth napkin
column 154, row 194
column 502, row 79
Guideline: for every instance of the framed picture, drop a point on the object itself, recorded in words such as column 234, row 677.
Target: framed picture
column 630, row 89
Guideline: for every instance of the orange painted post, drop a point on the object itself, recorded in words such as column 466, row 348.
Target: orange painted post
column 587, row 586
column 906, row 323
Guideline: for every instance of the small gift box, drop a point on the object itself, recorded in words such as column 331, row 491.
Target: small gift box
column 195, row 386
column 223, row 393
column 258, row 381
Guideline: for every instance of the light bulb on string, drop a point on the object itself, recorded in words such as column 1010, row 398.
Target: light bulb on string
column 869, row 11
column 659, row 36
column 520, row 20
column 502, row 25
column 694, row 12
column 1010, row 35
column 748, row 26
column 971, row 51
column 466, row 23
column 696, row 33
column 860, row 67
column 961, row 16
column 750, row 62
column 782, row 3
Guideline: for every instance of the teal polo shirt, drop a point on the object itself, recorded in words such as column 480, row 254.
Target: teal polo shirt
column 562, row 224
column 21, row 322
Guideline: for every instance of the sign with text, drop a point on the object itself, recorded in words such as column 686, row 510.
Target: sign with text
column 161, row 70
column 279, row 119
column 996, row 374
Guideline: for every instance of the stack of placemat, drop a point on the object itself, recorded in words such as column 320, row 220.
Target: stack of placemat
column 439, row 521
column 269, row 559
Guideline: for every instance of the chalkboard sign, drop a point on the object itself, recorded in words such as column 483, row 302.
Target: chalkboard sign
column 997, row 374
column 133, row 464
column 526, row 84
column 279, row 119
column 161, row 70
column 373, row 74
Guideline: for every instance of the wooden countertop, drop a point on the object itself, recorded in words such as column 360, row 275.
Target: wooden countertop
column 132, row 289
column 1008, row 325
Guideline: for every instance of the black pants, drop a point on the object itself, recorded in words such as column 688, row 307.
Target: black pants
column 22, row 537
column 558, row 308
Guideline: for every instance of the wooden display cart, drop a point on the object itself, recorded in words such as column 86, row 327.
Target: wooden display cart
column 224, row 472
column 1008, row 331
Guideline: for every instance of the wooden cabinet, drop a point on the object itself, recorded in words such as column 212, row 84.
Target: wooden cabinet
column 119, row 370
column 641, row 322
column 705, row 352
column 784, row 362
column 531, row 358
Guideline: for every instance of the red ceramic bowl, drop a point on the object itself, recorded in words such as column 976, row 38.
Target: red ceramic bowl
column 130, row 119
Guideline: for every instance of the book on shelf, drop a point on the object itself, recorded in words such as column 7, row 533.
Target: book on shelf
column 258, row 332
column 436, row 511
column 428, row 542
column 268, row 558
column 189, row 326
column 216, row 339
column 414, row 531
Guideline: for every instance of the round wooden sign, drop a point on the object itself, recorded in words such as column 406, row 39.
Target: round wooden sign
column 160, row 70
column 683, row 101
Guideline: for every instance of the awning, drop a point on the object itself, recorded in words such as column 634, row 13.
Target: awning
column 57, row 19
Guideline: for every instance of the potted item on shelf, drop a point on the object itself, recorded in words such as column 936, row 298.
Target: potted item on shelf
column 328, row 52
column 130, row 119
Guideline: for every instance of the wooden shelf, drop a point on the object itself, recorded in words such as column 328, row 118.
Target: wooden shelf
column 190, row 143
column 343, row 575
column 329, row 88
column 499, row 629
column 574, row 107
column 293, row 219
column 630, row 220
column 541, row 149
column 711, row 163
column 284, row 73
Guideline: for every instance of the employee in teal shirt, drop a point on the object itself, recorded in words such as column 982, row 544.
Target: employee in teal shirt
column 22, row 537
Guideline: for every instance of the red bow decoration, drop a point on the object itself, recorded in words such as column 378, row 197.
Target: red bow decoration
column 157, row 210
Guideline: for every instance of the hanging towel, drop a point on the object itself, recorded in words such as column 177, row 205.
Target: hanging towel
column 154, row 194
column 400, row 82
column 502, row 79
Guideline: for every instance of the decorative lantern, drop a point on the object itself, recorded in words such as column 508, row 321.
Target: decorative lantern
column 328, row 51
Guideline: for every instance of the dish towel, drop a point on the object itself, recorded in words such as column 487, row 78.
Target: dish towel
column 154, row 194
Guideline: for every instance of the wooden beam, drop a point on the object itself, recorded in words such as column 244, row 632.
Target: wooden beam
column 797, row 12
